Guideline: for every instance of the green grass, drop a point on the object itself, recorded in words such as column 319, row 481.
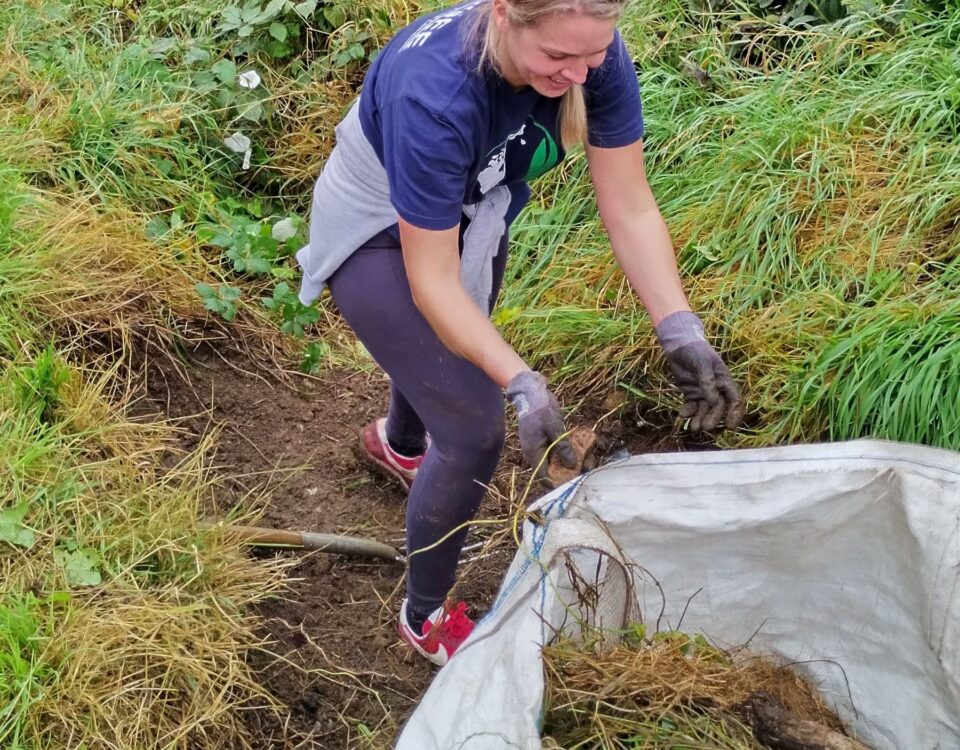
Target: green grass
column 812, row 202
column 811, row 189
column 24, row 628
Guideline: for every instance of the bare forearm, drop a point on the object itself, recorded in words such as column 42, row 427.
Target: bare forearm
column 642, row 246
column 432, row 262
column 468, row 333
column 636, row 229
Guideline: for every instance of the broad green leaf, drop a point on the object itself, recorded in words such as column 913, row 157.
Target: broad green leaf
column 231, row 16
column 251, row 13
column 252, row 112
column 335, row 14
column 224, row 70
column 306, row 8
column 273, row 8
column 157, row 227
column 256, row 264
column 195, row 55
column 160, row 47
column 278, row 31
column 12, row 529
column 82, row 566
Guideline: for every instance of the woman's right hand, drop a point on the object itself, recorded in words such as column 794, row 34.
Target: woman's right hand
column 540, row 422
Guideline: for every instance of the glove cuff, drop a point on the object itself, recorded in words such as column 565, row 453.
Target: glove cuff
column 679, row 329
column 524, row 389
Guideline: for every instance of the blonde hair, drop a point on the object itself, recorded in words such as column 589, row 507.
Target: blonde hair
column 483, row 37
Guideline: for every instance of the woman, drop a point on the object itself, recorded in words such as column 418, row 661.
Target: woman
column 408, row 228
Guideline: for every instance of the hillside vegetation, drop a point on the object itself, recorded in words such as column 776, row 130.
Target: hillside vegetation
column 156, row 160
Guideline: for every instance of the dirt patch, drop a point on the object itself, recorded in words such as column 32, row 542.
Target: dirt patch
column 298, row 440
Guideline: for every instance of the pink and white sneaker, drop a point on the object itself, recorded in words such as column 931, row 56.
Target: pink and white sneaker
column 443, row 631
column 376, row 449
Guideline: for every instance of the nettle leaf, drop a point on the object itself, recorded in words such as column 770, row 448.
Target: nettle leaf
column 273, row 48
column 204, row 81
column 244, row 259
column 231, row 17
column 162, row 46
column 335, row 14
column 224, row 70
column 157, row 227
column 305, row 9
column 282, row 293
column 225, row 98
column 252, row 112
column 273, row 8
column 251, row 11
column 258, row 264
column 284, row 272
column 222, row 300
column 12, row 529
column 82, row 566
column 314, row 353
column 195, row 55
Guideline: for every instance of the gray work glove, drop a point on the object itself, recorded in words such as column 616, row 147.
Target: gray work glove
column 711, row 395
column 539, row 420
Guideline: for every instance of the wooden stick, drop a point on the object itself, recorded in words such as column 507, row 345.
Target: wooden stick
column 335, row 543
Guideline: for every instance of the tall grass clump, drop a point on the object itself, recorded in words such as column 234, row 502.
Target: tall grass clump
column 811, row 182
column 124, row 624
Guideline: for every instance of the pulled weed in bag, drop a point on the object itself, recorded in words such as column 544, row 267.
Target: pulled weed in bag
column 670, row 692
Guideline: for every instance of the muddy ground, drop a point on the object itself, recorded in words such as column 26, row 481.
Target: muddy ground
column 297, row 440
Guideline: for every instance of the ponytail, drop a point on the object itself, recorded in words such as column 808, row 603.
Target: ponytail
column 573, row 117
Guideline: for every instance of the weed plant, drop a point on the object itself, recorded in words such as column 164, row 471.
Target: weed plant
column 122, row 623
column 811, row 187
column 156, row 159
column 665, row 692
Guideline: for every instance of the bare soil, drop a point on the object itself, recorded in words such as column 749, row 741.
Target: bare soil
column 346, row 678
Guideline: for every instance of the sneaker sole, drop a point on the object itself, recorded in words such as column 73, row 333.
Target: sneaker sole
column 438, row 659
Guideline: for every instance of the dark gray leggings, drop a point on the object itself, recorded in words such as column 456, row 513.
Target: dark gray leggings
column 432, row 390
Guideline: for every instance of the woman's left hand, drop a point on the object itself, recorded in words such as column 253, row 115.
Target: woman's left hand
column 711, row 395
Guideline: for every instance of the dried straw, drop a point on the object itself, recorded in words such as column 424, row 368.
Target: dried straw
column 656, row 693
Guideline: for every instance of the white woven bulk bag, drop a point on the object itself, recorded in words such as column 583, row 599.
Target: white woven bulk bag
column 843, row 558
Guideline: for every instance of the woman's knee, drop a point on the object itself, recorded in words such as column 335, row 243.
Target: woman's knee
column 472, row 425
column 491, row 431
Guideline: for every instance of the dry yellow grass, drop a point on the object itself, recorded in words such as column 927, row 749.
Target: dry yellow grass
column 659, row 692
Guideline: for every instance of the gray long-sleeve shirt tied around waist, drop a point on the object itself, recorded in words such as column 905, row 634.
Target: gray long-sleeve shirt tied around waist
column 351, row 204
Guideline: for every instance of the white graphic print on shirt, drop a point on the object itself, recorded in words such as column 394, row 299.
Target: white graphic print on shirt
column 438, row 22
column 493, row 174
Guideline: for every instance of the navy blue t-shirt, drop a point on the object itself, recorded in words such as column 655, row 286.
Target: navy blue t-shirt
column 447, row 134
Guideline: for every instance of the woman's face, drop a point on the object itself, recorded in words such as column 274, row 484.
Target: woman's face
column 554, row 54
